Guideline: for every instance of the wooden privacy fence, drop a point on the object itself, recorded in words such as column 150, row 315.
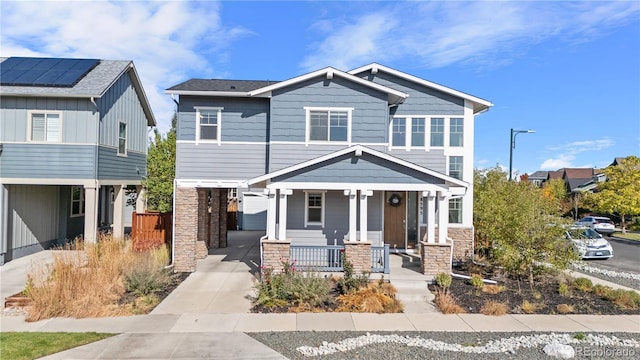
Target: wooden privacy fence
column 150, row 229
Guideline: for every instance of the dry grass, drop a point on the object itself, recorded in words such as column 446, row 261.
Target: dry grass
column 494, row 308
column 375, row 298
column 565, row 308
column 528, row 307
column 87, row 280
column 493, row 289
column 447, row 304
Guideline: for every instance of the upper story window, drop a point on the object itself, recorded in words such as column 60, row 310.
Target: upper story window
column 122, row 139
column 456, row 131
column 45, row 126
column 208, row 124
column 77, row 201
column 408, row 131
column 398, row 132
column 455, row 167
column 417, row 132
column 437, row 132
column 328, row 124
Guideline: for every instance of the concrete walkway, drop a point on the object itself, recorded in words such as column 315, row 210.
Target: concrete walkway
column 207, row 315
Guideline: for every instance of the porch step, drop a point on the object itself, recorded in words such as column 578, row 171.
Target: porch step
column 412, row 291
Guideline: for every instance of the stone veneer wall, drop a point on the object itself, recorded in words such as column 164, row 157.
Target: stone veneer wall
column 462, row 243
column 214, row 235
column 274, row 253
column 186, row 230
column 202, row 249
column 435, row 258
column 359, row 254
column 222, row 217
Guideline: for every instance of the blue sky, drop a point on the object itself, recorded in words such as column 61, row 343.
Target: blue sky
column 568, row 70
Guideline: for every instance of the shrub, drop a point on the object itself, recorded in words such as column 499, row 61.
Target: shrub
column 375, row 298
column 563, row 289
column 583, row 284
column 476, row 281
column 529, row 307
column 601, row 290
column 292, row 288
column 446, row 303
column 350, row 281
column 493, row 289
column 443, row 280
column 625, row 299
column 494, row 308
column 580, row 336
column 565, row 308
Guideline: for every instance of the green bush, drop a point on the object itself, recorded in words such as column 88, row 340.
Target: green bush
column 443, row 280
column 583, row 284
column 476, row 281
column 291, row 288
column 351, row 282
column 146, row 280
column 601, row 290
column 625, row 299
column 563, row 289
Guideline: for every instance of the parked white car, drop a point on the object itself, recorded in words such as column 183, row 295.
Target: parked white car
column 603, row 225
column 588, row 243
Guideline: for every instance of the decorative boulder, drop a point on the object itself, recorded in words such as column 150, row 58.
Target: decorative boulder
column 559, row 350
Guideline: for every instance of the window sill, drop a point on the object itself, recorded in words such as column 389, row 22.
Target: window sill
column 122, row 155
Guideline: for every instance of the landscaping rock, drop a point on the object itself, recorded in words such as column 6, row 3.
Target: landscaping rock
column 559, row 350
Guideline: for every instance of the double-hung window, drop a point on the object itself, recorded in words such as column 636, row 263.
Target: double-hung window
column 408, row 132
column 455, row 211
column 208, row 124
column 328, row 125
column 314, row 208
column 122, row 139
column 77, row 201
column 456, row 132
column 455, row 167
column 437, row 132
column 45, row 126
column 398, row 132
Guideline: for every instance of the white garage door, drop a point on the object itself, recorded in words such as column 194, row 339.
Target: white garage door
column 254, row 211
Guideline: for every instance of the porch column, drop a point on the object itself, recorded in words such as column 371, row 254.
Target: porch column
column 141, row 202
column 430, row 199
column 90, row 213
column 352, row 213
column 364, row 212
column 118, row 212
column 443, row 216
column 271, row 213
column 282, row 221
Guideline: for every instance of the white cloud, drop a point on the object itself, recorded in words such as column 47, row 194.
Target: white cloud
column 562, row 161
column 567, row 154
column 164, row 39
column 577, row 147
column 437, row 34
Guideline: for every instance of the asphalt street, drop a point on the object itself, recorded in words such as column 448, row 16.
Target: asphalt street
column 626, row 256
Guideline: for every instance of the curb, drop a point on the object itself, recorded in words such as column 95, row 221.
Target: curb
column 624, row 241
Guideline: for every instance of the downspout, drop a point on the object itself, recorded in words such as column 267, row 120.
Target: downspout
column 173, row 227
column 96, row 182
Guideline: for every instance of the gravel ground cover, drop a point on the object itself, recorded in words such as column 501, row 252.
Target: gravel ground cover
column 454, row 345
column 624, row 278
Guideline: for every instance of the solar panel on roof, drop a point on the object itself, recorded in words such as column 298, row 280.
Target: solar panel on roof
column 20, row 71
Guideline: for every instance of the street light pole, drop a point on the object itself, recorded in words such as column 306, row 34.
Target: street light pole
column 512, row 146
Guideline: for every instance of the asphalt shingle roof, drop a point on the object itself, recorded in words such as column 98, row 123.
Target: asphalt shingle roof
column 222, row 85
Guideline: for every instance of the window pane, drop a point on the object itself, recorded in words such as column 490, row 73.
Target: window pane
column 76, row 193
column 37, row 127
column 315, row 215
column 339, row 126
column 417, row 132
column 122, row 146
column 75, row 208
column 455, row 211
column 398, row 135
column 209, row 132
column 456, row 131
column 209, row 117
column 319, row 122
column 123, row 131
column 315, row 200
column 455, row 167
column 53, row 127
column 437, row 132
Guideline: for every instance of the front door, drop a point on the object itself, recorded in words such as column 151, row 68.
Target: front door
column 395, row 219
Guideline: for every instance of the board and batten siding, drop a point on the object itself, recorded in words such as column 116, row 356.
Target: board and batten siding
column 33, row 216
column 121, row 104
column 243, row 119
column 220, row 162
column 79, row 118
column 48, row 161
column 133, row 166
column 288, row 116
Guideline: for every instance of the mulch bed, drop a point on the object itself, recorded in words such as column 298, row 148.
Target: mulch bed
column 545, row 288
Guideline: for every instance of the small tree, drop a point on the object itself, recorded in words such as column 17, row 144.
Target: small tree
column 620, row 193
column 523, row 225
column 161, row 170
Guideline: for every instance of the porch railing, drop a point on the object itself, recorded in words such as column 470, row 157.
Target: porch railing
column 317, row 258
column 380, row 259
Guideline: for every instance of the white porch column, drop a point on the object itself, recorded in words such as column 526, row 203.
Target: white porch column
column 364, row 212
column 118, row 212
column 430, row 200
column 353, row 210
column 282, row 223
column 443, row 216
column 141, row 202
column 271, row 213
column 90, row 213
column 4, row 214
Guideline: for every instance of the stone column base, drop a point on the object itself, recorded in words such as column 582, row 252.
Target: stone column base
column 435, row 258
column 274, row 253
column 359, row 254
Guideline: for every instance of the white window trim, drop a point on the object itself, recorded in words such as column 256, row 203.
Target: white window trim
column 448, row 131
column 82, row 200
column 29, row 125
column 408, row 123
column 461, row 166
column 445, row 131
column 308, row 111
column 219, row 129
column 306, row 208
column 126, row 139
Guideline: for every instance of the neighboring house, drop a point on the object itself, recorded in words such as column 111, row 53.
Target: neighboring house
column 539, row 178
column 73, row 136
column 576, row 177
column 353, row 159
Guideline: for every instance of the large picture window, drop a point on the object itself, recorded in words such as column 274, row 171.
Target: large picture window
column 328, row 125
column 314, row 208
column 456, row 132
column 77, row 201
column 208, row 124
column 45, row 126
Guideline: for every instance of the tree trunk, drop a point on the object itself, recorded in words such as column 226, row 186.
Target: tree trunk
column 624, row 228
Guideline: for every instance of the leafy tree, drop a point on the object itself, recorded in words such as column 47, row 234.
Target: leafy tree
column 620, row 193
column 522, row 225
column 161, row 170
column 556, row 191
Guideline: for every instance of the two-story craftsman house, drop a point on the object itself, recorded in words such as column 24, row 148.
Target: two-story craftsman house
column 73, row 136
column 354, row 159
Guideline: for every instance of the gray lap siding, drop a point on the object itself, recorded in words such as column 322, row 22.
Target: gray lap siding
column 48, row 161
